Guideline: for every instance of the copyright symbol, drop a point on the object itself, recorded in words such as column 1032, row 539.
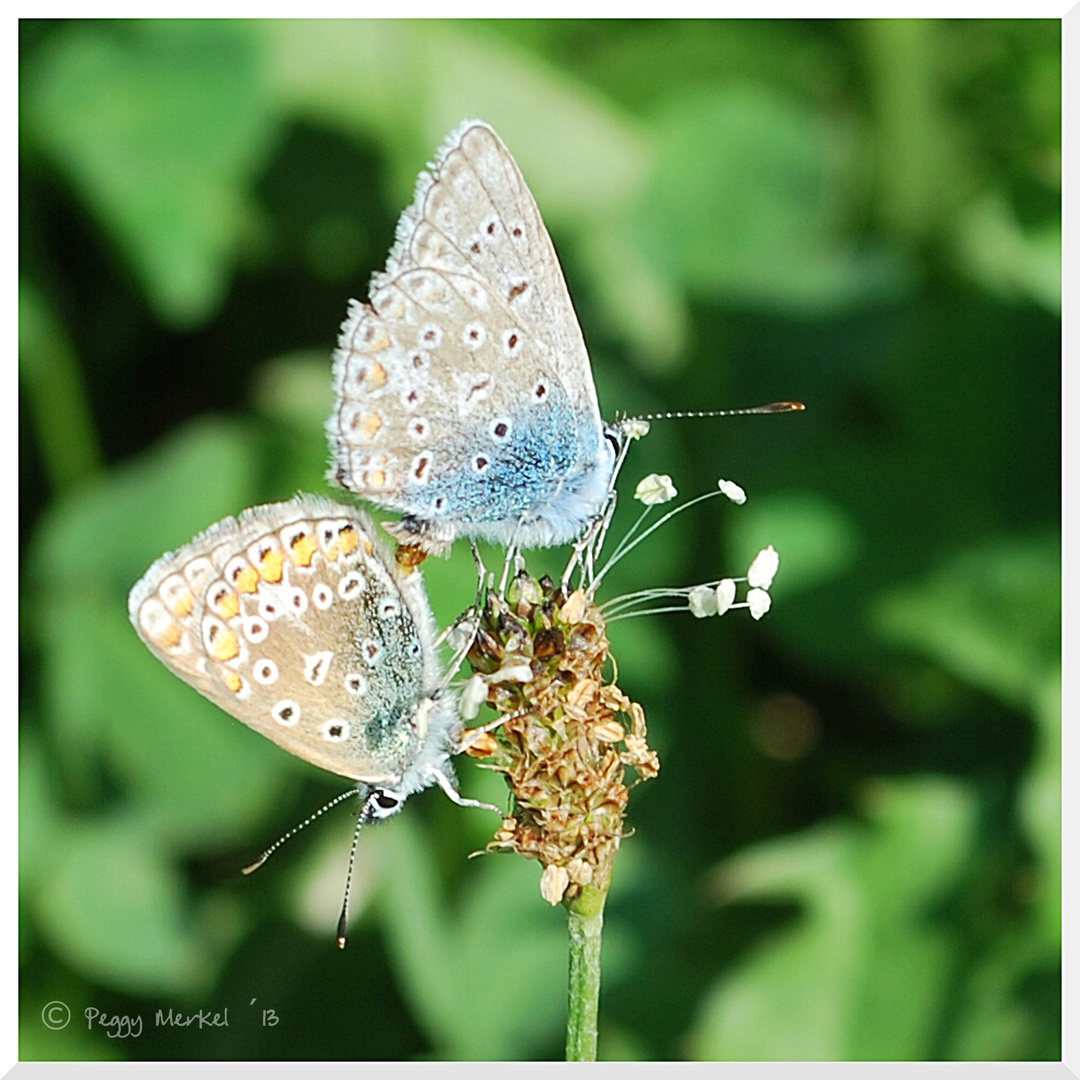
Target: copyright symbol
column 55, row 1015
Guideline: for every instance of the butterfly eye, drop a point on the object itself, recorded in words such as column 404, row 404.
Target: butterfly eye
column 383, row 803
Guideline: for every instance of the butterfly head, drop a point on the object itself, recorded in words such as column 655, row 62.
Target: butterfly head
column 381, row 803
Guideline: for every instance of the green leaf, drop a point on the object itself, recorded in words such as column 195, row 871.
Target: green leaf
column 373, row 75
column 464, row 965
column 113, row 907
column 1040, row 812
column 380, row 78
column 862, row 972
column 1004, row 256
column 71, row 1043
column 106, row 692
column 747, row 201
column 994, row 1022
column 991, row 616
column 162, row 128
column 108, row 533
column 39, row 819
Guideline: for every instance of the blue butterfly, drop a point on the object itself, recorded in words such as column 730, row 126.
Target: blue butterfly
column 464, row 396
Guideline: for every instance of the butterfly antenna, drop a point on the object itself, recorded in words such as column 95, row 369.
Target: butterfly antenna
column 343, row 920
column 297, row 828
column 772, row 407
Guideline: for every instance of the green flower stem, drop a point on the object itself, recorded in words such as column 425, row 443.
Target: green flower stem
column 586, row 924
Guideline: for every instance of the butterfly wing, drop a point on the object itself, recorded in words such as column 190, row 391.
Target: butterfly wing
column 465, row 398
column 293, row 620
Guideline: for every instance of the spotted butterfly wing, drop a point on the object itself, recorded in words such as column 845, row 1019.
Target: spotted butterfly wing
column 294, row 620
column 464, row 395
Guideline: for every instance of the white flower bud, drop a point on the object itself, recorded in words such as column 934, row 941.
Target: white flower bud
column 574, row 608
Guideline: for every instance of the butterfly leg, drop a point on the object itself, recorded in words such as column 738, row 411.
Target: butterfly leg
column 513, row 558
column 587, row 549
column 482, row 582
column 583, row 556
column 599, row 532
column 462, row 632
column 474, row 734
column 575, row 558
column 454, row 795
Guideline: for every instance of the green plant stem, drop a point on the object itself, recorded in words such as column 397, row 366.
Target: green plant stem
column 586, row 925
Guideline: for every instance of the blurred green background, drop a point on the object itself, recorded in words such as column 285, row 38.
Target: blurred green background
column 853, row 847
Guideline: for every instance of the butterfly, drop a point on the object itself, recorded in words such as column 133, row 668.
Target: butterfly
column 464, row 395
column 294, row 619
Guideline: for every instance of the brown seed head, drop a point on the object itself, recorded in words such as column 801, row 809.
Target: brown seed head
column 563, row 750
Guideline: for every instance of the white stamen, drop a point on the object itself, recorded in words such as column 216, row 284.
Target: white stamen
column 460, row 636
column 763, row 569
column 655, row 489
column 702, row 601
column 759, row 601
column 725, row 595
column 732, row 491
column 553, row 883
column 472, row 697
column 515, row 673
column 633, row 428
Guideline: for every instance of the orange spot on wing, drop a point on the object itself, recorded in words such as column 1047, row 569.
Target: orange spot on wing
column 348, row 539
column 226, row 604
column 302, row 549
column 271, row 564
column 247, row 580
column 369, row 426
column 183, row 604
column 226, row 645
